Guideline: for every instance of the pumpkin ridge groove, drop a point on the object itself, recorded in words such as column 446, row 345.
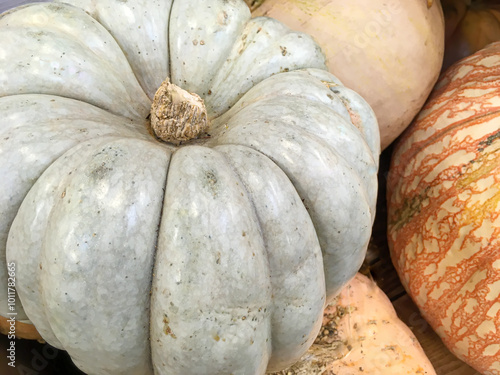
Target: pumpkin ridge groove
column 230, row 163
column 153, row 263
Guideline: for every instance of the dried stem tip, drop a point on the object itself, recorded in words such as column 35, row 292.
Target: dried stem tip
column 177, row 115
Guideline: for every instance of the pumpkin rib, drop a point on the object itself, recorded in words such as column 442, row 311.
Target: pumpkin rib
column 322, row 135
column 231, row 281
column 288, row 50
column 285, row 85
column 325, row 163
column 246, row 185
column 47, row 138
column 115, row 17
column 362, row 117
column 69, row 294
column 352, row 135
column 199, row 55
column 328, row 91
column 133, row 101
column 327, row 128
column 291, row 333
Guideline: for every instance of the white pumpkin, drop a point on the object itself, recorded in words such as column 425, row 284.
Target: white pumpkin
column 212, row 256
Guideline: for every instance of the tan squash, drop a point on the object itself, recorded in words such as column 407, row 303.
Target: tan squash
column 362, row 334
column 389, row 51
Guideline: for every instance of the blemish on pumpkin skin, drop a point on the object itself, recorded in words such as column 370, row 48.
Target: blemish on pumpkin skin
column 411, row 207
column 483, row 165
column 489, row 140
column 222, row 18
column 166, row 328
column 210, row 182
column 101, row 171
column 55, row 7
column 36, row 35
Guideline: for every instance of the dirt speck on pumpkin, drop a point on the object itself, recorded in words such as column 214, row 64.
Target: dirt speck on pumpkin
column 166, row 328
column 101, row 171
column 210, row 182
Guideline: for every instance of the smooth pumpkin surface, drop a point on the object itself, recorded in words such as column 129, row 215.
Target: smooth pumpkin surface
column 390, row 52
column 444, row 210
column 361, row 333
column 213, row 256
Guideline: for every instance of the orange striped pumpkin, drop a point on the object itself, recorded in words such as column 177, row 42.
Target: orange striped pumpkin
column 444, row 209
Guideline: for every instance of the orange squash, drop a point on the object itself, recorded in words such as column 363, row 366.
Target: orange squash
column 444, row 209
column 389, row 51
column 470, row 26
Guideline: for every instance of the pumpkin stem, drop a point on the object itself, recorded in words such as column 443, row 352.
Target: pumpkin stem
column 177, row 115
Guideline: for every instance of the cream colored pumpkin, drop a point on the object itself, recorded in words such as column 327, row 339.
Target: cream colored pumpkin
column 389, row 51
column 214, row 256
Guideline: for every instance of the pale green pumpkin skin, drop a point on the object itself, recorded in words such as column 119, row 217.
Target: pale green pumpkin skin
column 141, row 257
